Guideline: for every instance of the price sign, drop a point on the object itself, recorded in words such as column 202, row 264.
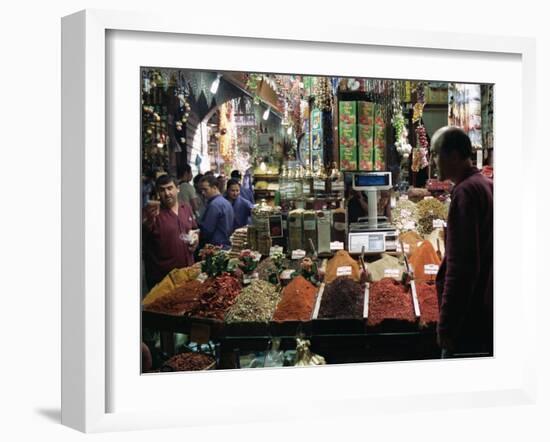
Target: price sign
column 431, row 269
column 286, row 274
column 343, row 271
column 409, row 225
column 298, row 254
column 336, row 245
column 392, row 273
column 404, row 197
column 438, row 223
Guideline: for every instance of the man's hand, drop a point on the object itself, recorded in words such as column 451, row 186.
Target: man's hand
column 152, row 210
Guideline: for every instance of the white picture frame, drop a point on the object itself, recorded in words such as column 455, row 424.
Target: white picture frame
column 86, row 352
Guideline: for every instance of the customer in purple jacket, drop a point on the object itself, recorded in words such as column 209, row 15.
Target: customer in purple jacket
column 465, row 278
column 216, row 223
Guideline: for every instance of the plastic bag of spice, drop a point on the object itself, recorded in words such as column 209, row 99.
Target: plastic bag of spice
column 342, row 264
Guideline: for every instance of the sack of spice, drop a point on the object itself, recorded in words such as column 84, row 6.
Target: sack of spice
column 430, row 209
column 343, row 298
column 176, row 278
column 429, row 305
column 425, row 262
column 342, row 264
column 297, row 301
column 180, row 300
column 386, row 267
column 389, row 300
column 256, row 303
column 410, row 240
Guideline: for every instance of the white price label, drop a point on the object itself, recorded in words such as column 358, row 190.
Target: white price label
column 438, row 223
column 404, row 197
column 343, row 271
column 392, row 273
column 336, row 245
column 428, row 197
column 286, row 274
column 298, row 254
column 409, row 225
column 202, row 277
column 431, row 269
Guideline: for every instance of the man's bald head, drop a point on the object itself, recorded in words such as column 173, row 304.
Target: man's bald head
column 453, row 150
column 452, row 139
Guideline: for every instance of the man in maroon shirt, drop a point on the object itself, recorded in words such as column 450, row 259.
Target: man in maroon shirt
column 166, row 241
column 465, row 278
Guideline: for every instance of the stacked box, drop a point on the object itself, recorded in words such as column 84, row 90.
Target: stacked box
column 347, row 113
column 348, row 147
column 365, row 111
column 379, row 139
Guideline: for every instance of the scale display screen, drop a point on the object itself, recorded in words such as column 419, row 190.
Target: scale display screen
column 362, row 180
column 372, row 242
column 376, row 243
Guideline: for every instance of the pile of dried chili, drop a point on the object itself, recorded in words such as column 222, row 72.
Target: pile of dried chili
column 220, row 294
column 343, row 298
column 297, row 301
column 429, row 305
column 389, row 299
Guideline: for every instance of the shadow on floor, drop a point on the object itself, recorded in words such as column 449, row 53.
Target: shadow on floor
column 52, row 414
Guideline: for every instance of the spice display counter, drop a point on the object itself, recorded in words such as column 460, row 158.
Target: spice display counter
column 338, row 340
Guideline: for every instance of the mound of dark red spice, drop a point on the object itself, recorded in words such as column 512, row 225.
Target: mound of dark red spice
column 343, row 298
column 429, row 305
column 188, row 362
column 220, row 294
column 389, row 299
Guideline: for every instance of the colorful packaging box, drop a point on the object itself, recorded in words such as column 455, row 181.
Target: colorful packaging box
column 348, row 147
column 366, row 147
column 347, row 112
column 365, row 113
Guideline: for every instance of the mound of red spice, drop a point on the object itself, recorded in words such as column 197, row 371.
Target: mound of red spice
column 429, row 305
column 297, row 301
column 220, row 294
column 343, row 298
column 389, row 299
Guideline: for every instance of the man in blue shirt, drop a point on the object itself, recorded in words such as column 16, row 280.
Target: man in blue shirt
column 246, row 192
column 216, row 223
column 242, row 208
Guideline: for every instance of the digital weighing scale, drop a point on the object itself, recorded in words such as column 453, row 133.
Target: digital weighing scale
column 373, row 234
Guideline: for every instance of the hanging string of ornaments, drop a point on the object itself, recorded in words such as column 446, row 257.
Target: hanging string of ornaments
column 420, row 152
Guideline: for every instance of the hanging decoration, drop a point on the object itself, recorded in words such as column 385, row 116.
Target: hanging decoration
column 420, row 152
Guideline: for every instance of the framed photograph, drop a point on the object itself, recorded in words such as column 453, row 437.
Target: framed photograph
column 103, row 385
